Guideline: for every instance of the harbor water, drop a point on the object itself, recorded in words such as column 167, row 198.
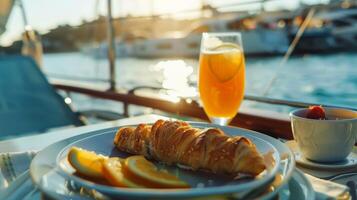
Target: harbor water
column 321, row 79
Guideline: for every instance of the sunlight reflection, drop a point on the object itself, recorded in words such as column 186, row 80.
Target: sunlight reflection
column 176, row 74
column 68, row 100
column 171, row 98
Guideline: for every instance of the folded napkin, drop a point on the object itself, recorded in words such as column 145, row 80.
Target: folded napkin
column 328, row 190
column 319, row 179
column 12, row 165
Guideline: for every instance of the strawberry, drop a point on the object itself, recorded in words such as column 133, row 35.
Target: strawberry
column 316, row 112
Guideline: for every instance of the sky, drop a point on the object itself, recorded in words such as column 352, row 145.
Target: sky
column 44, row 15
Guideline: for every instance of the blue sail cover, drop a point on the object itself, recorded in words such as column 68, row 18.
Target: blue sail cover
column 28, row 103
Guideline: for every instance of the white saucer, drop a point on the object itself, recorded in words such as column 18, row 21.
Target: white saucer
column 349, row 163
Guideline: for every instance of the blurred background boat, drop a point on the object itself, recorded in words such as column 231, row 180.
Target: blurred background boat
column 258, row 40
column 332, row 29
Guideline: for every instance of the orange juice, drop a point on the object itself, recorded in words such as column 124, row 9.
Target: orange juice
column 221, row 82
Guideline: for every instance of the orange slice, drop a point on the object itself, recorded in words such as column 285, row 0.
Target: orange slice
column 140, row 170
column 226, row 63
column 86, row 162
column 226, row 46
column 113, row 172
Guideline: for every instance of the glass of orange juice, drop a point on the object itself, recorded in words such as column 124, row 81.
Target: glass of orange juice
column 221, row 75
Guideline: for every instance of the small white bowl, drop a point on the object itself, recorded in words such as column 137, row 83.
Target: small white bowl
column 328, row 140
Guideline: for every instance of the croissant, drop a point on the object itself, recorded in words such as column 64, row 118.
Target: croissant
column 176, row 142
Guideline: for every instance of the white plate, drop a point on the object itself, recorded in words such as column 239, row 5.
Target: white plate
column 202, row 184
column 349, row 163
column 58, row 187
column 45, row 160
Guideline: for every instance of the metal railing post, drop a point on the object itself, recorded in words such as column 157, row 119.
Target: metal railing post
column 111, row 46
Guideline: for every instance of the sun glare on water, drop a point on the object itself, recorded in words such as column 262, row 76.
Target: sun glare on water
column 175, row 78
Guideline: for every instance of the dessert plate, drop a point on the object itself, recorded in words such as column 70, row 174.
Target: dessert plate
column 349, row 163
column 45, row 161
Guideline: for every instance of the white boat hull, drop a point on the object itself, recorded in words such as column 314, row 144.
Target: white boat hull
column 254, row 42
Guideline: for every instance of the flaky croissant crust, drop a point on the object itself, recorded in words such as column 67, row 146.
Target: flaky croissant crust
column 176, row 142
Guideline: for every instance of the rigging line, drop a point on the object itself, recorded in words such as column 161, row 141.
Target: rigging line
column 24, row 15
column 93, row 35
column 290, row 49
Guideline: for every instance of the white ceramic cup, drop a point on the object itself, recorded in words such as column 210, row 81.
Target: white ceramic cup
column 329, row 140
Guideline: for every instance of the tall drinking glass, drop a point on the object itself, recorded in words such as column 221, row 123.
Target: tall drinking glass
column 221, row 75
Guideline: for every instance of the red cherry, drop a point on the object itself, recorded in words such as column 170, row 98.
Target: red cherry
column 316, row 112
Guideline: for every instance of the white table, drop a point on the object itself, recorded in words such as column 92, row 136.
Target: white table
column 40, row 141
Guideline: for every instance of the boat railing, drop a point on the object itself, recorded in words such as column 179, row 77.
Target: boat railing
column 291, row 103
column 262, row 99
column 274, row 124
column 76, row 78
column 269, row 122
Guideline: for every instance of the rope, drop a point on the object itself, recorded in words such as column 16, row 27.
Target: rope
column 290, row 50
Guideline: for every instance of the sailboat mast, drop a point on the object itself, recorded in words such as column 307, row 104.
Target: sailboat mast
column 203, row 4
column 24, row 15
column 111, row 46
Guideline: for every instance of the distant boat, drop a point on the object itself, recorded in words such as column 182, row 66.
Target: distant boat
column 257, row 40
column 332, row 29
column 167, row 47
column 101, row 50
